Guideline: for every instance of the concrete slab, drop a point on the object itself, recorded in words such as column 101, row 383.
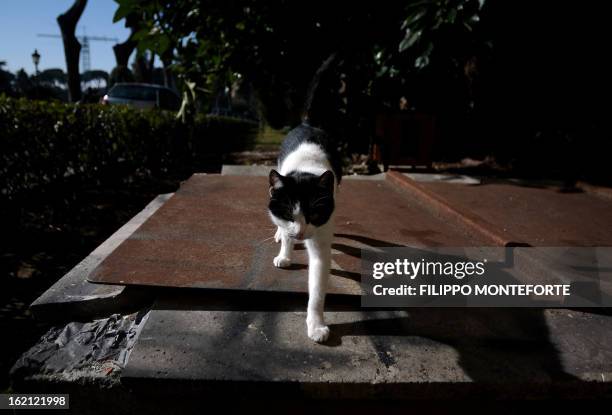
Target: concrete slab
column 264, row 171
column 443, row 178
column 379, row 176
column 241, row 170
column 215, row 233
column 73, row 297
column 415, row 353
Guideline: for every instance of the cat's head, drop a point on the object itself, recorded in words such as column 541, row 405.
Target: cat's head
column 301, row 202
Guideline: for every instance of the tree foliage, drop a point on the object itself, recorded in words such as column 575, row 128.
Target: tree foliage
column 277, row 46
column 95, row 75
column 47, row 145
column 54, row 77
column 6, row 80
column 498, row 76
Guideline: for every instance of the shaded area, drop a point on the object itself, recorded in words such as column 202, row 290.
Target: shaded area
column 494, row 345
column 44, row 236
column 507, row 353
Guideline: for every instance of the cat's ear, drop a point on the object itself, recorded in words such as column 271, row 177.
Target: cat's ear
column 276, row 180
column 326, row 180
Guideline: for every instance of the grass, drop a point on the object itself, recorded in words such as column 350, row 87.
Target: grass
column 268, row 136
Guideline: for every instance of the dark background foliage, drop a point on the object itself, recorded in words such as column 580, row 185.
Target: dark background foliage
column 48, row 145
column 524, row 82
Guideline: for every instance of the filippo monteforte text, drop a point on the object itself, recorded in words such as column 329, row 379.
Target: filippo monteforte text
column 465, row 290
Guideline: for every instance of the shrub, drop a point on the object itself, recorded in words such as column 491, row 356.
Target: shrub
column 53, row 144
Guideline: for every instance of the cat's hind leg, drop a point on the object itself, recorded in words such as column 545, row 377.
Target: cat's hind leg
column 283, row 259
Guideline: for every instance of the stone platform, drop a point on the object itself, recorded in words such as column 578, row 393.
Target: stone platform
column 195, row 337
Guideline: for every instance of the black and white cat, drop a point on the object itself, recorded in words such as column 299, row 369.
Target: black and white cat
column 303, row 190
column 302, row 203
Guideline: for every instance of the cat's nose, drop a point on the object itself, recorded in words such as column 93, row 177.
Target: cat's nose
column 300, row 235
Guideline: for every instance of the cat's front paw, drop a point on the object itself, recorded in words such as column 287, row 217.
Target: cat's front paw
column 281, row 261
column 319, row 334
column 278, row 235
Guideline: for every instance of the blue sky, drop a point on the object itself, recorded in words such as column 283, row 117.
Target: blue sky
column 21, row 20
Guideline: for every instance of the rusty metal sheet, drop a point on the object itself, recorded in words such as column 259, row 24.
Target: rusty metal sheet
column 215, row 233
column 539, row 216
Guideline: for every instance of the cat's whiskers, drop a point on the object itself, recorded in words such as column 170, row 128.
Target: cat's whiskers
column 319, row 199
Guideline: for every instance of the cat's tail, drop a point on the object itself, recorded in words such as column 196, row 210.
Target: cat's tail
column 322, row 99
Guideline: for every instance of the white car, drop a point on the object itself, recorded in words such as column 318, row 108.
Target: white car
column 142, row 96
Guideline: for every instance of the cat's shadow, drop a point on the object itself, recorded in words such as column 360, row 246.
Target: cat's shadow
column 515, row 343
column 489, row 341
column 295, row 267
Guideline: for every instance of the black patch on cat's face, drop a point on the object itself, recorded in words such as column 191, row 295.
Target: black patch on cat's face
column 315, row 195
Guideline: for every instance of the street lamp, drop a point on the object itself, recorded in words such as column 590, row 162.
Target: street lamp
column 36, row 59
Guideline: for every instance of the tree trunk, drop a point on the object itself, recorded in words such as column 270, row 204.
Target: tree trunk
column 166, row 59
column 125, row 49
column 72, row 48
column 123, row 52
column 143, row 68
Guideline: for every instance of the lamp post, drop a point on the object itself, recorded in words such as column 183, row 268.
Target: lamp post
column 36, row 60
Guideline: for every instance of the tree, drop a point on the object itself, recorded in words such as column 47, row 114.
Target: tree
column 72, row 48
column 124, row 50
column 23, row 83
column 96, row 76
column 275, row 46
column 120, row 74
column 6, row 80
column 54, row 77
column 142, row 67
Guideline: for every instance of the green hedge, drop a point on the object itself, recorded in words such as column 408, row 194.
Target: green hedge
column 52, row 144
